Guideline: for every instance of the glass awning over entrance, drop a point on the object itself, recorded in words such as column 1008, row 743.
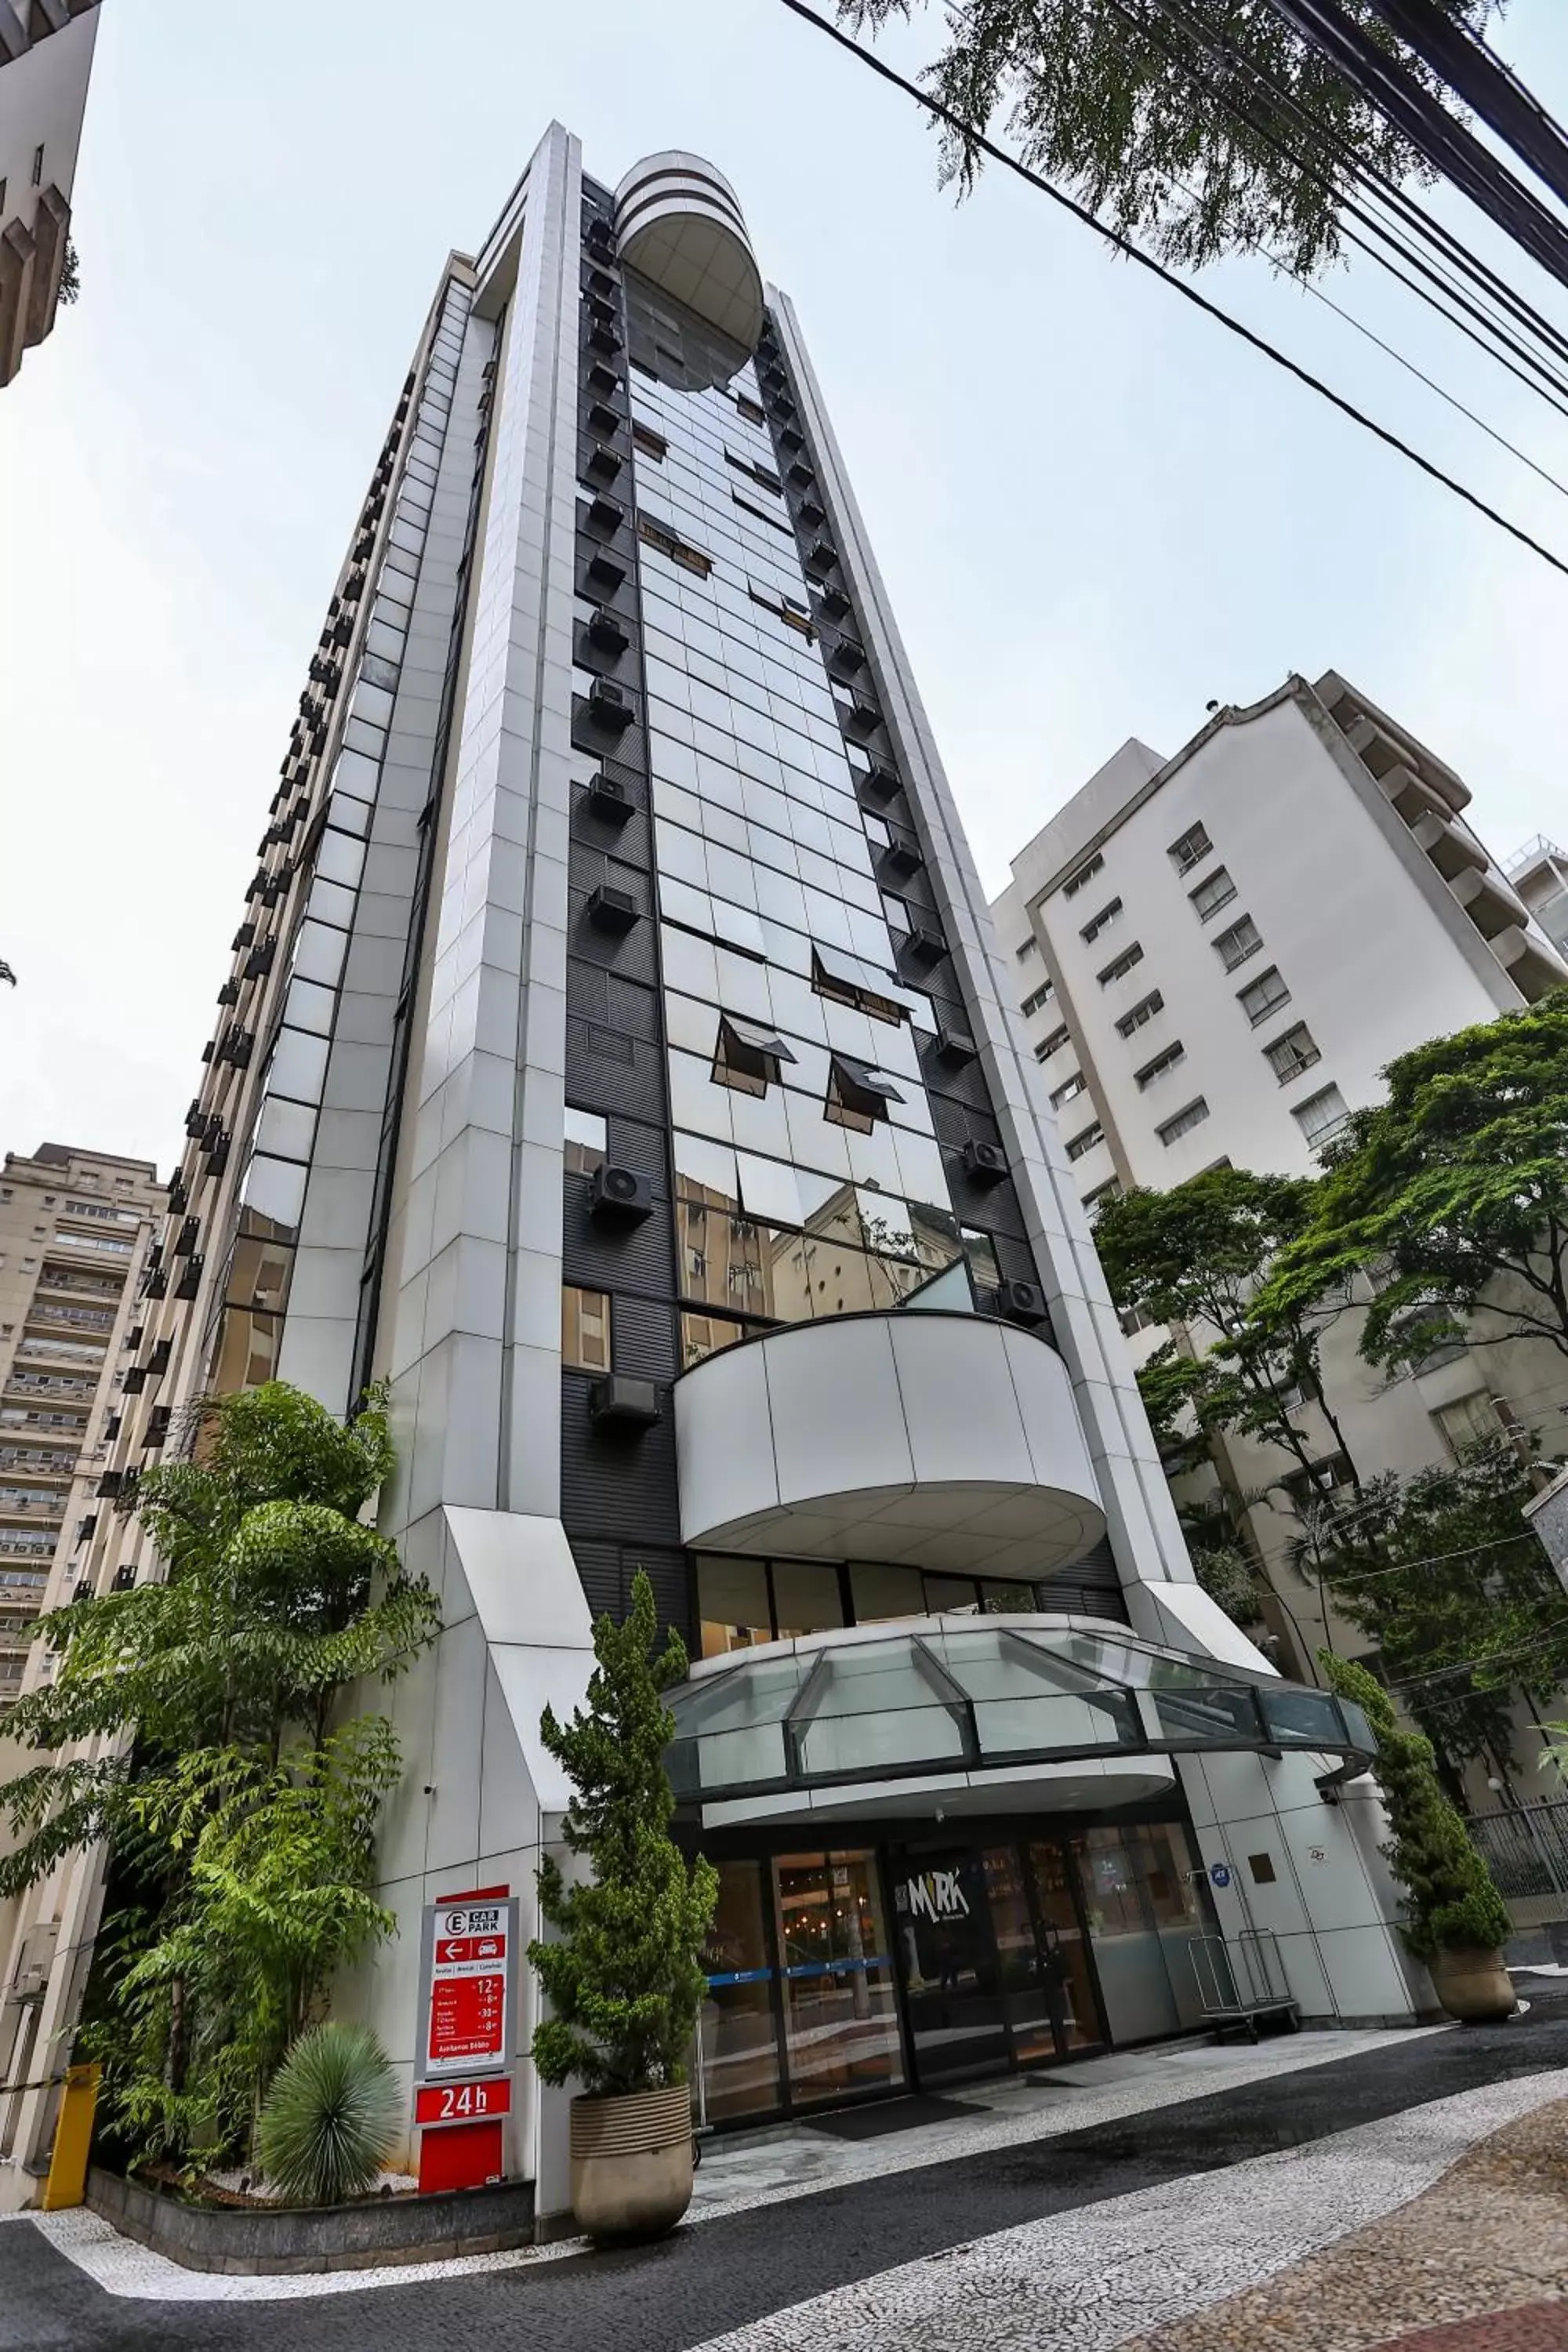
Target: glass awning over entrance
column 944, row 1695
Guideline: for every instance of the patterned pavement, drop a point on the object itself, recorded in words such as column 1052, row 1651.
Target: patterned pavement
column 1364, row 2202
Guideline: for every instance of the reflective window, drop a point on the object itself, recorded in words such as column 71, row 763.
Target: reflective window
column 586, row 1141
column 585, row 1330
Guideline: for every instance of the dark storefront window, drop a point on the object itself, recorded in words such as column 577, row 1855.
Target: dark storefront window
column 1143, row 1915
column 740, row 1603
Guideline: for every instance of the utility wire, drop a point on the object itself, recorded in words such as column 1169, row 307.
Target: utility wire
column 1304, row 281
column 944, row 114
column 1468, row 1665
column 1449, row 144
column 1475, row 74
column 1365, row 176
column 1382, row 191
column 1409, row 365
column 1433, row 303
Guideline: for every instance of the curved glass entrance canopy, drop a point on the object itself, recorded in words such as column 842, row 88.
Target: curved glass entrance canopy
column 947, row 1696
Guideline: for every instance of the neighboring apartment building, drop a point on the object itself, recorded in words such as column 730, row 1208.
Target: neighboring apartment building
column 1218, row 953
column 45, row 58
column 74, row 1228
column 616, row 1058
column 1539, row 872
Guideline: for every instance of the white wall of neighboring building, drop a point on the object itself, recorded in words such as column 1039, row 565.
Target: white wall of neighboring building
column 1367, row 935
column 1346, row 843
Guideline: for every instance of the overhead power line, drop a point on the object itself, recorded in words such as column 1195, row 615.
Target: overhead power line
column 987, row 146
column 1490, row 88
column 1448, row 145
column 1445, row 253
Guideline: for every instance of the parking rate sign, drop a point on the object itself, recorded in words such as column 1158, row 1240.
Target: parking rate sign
column 470, row 1942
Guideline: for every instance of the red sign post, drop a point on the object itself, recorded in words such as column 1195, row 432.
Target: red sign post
column 464, row 2089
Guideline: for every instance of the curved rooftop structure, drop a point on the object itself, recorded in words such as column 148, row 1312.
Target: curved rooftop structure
column 678, row 224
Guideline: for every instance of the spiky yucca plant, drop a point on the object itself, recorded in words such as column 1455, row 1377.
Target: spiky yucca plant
column 331, row 2117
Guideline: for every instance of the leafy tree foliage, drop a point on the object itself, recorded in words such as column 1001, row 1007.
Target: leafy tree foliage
column 1198, row 1257
column 1456, row 1190
column 1438, row 1570
column 625, row 1978
column 1164, row 120
column 190, row 1724
column 1451, row 1903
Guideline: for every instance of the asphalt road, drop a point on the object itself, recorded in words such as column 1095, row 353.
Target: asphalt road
column 730, row 2271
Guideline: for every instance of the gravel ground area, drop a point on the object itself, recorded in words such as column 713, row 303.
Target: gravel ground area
column 1490, row 2238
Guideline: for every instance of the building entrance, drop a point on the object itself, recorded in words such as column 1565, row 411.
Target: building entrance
column 993, row 1958
column 865, row 1970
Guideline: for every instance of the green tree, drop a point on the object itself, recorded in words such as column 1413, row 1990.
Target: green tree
column 1198, row 1257
column 1453, row 1192
column 1438, row 1571
column 1451, row 1903
column 190, row 1723
column 1164, row 121
column 625, row 1978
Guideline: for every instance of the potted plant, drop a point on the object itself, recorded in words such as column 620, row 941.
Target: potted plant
column 624, row 1974
column 1455, row 1919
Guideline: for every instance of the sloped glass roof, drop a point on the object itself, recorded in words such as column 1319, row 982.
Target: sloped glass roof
column 945, row 1694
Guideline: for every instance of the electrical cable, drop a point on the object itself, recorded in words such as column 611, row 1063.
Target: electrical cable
column 1373, row 184
column 1448, row 145
column 941, row 113
column 1469, row 1665
column 1475, row 73
column 1308, row 286
column 1431, row 385
column 1433, row 303
column 1384, row 192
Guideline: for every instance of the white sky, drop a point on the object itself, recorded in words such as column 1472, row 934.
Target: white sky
column 1093, row 509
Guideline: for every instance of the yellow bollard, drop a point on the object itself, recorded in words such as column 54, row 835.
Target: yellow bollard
column 66, row 2182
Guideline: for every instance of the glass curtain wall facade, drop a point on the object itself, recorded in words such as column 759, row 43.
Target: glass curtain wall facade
column 615, row 1059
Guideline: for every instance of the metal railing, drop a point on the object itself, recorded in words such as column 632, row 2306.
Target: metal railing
column 1539, row 845
column 1526, row 1849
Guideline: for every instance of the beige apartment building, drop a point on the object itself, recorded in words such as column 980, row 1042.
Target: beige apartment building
column 45, row 59
column 1215, row 955
column 74, row 1231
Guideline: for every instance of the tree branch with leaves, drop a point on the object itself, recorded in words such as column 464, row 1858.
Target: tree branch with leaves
column 1202, row 129
column 191, row 1725
column 1452, row 1194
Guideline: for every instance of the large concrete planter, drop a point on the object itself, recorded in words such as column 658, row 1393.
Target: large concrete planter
column 631, row 2163
column 264, row 2240
column 1473, row 1986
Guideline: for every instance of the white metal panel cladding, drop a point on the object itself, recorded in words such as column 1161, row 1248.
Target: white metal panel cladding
column 932, row 1440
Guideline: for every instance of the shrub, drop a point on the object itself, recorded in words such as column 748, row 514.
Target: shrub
column 626, row 1977
column 1451, row 1904
column 331, row 2117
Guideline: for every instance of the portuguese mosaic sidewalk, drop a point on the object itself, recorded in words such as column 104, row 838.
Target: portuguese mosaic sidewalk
column 1409, row 2192
column 1479, row 2262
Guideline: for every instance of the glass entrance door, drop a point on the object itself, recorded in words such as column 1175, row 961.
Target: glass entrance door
column 840, row 2009
column 947, row 1955
column 1070, row 1994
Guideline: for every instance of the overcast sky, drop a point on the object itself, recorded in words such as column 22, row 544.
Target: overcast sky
column 1094, row 510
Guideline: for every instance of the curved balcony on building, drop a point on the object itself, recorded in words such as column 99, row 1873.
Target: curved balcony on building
column 948, row 1713
column 934, row 1440
column 678, row 225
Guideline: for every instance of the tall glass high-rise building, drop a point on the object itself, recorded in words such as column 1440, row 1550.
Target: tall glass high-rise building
column 618, row 1058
